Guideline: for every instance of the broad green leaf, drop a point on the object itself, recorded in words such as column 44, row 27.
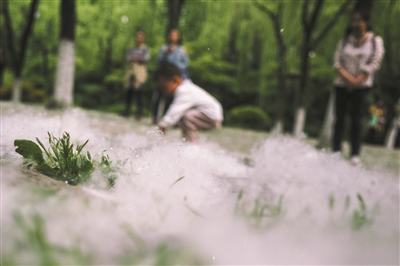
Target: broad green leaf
column 29, row 150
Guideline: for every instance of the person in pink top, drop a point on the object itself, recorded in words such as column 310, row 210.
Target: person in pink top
column 192, row 108
column 357, row 58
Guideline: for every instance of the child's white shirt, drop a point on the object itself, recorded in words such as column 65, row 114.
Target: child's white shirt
column 190, row 96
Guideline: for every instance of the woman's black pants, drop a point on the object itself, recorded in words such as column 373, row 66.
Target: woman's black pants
column 355, row 101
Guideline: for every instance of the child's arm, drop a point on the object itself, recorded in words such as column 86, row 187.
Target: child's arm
column 180, row 104
column 162, row 129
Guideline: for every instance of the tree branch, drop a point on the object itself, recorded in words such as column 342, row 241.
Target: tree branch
column 9, row 32
column 265, row 9
column 26, row 33
column 314, row 15
column 331, row 23
column 304, row 15
column 275, row 18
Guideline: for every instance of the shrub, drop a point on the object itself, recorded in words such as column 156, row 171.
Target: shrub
column 248, row 117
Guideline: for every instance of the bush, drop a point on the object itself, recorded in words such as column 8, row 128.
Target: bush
column 248, row 117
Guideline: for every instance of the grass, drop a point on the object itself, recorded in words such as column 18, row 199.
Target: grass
column 176, row 181
column 34, row 241
column 361, row 217
column 61, row 161
column 259, row 214
column 71, row 165
column 34, row 244
column 65, row 163
column 373, row 157
column 109, row 170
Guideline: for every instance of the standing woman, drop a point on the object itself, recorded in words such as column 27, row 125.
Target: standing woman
column 358, row 56
column 173, row 53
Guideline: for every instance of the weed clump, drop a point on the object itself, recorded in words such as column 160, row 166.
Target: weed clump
column 63, row 162
column 108, row 170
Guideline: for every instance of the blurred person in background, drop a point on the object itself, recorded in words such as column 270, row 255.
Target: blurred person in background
column 174, row 53
column 357, row 58
column 135, row 78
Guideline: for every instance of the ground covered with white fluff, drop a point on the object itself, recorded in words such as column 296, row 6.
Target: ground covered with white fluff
column 283, row 202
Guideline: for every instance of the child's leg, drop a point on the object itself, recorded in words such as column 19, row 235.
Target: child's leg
column 194, row 120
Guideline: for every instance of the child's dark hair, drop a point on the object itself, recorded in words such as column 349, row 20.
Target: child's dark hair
column 167, row 70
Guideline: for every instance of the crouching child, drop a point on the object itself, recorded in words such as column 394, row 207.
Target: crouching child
column 192, row 108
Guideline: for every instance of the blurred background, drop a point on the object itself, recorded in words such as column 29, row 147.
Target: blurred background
column 263, row 60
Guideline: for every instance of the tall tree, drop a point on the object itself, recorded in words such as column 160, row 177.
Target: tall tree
column 64, row 83
column 391, row 134
column 309, row 43
column 276, row 19
column 17, row 54
column 174, row 9
column 2, row 64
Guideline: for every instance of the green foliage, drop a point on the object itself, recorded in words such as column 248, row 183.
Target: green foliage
column 163, row 254
column 360, row 217
column 61, row 161
column 193, row 211
column 176, row 181
column 64, row 163
column 248, row 117
column 260, row 213
column 35, row 242
column 169, row 255
column 109, row 170
column 29, row 150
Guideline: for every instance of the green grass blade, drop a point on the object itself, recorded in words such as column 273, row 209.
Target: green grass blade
column 179, row 179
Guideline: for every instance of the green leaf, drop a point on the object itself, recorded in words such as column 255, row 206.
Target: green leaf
column 179, row 179
column 29, row 150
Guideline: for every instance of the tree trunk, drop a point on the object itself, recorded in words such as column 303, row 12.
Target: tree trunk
column 63, row 95
column 17, row 57
column 2, row 65
column 300, row 121
column 16, row 90
column 64, row 81
column 390, row 140
column 309, row 25
column 278, row 127
column 310, row 43
column 108, row 55
column 387, row 38
column 276, row 19
column 174, row 13
column 304, row 70
column 325, row 136
column 280, row 103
